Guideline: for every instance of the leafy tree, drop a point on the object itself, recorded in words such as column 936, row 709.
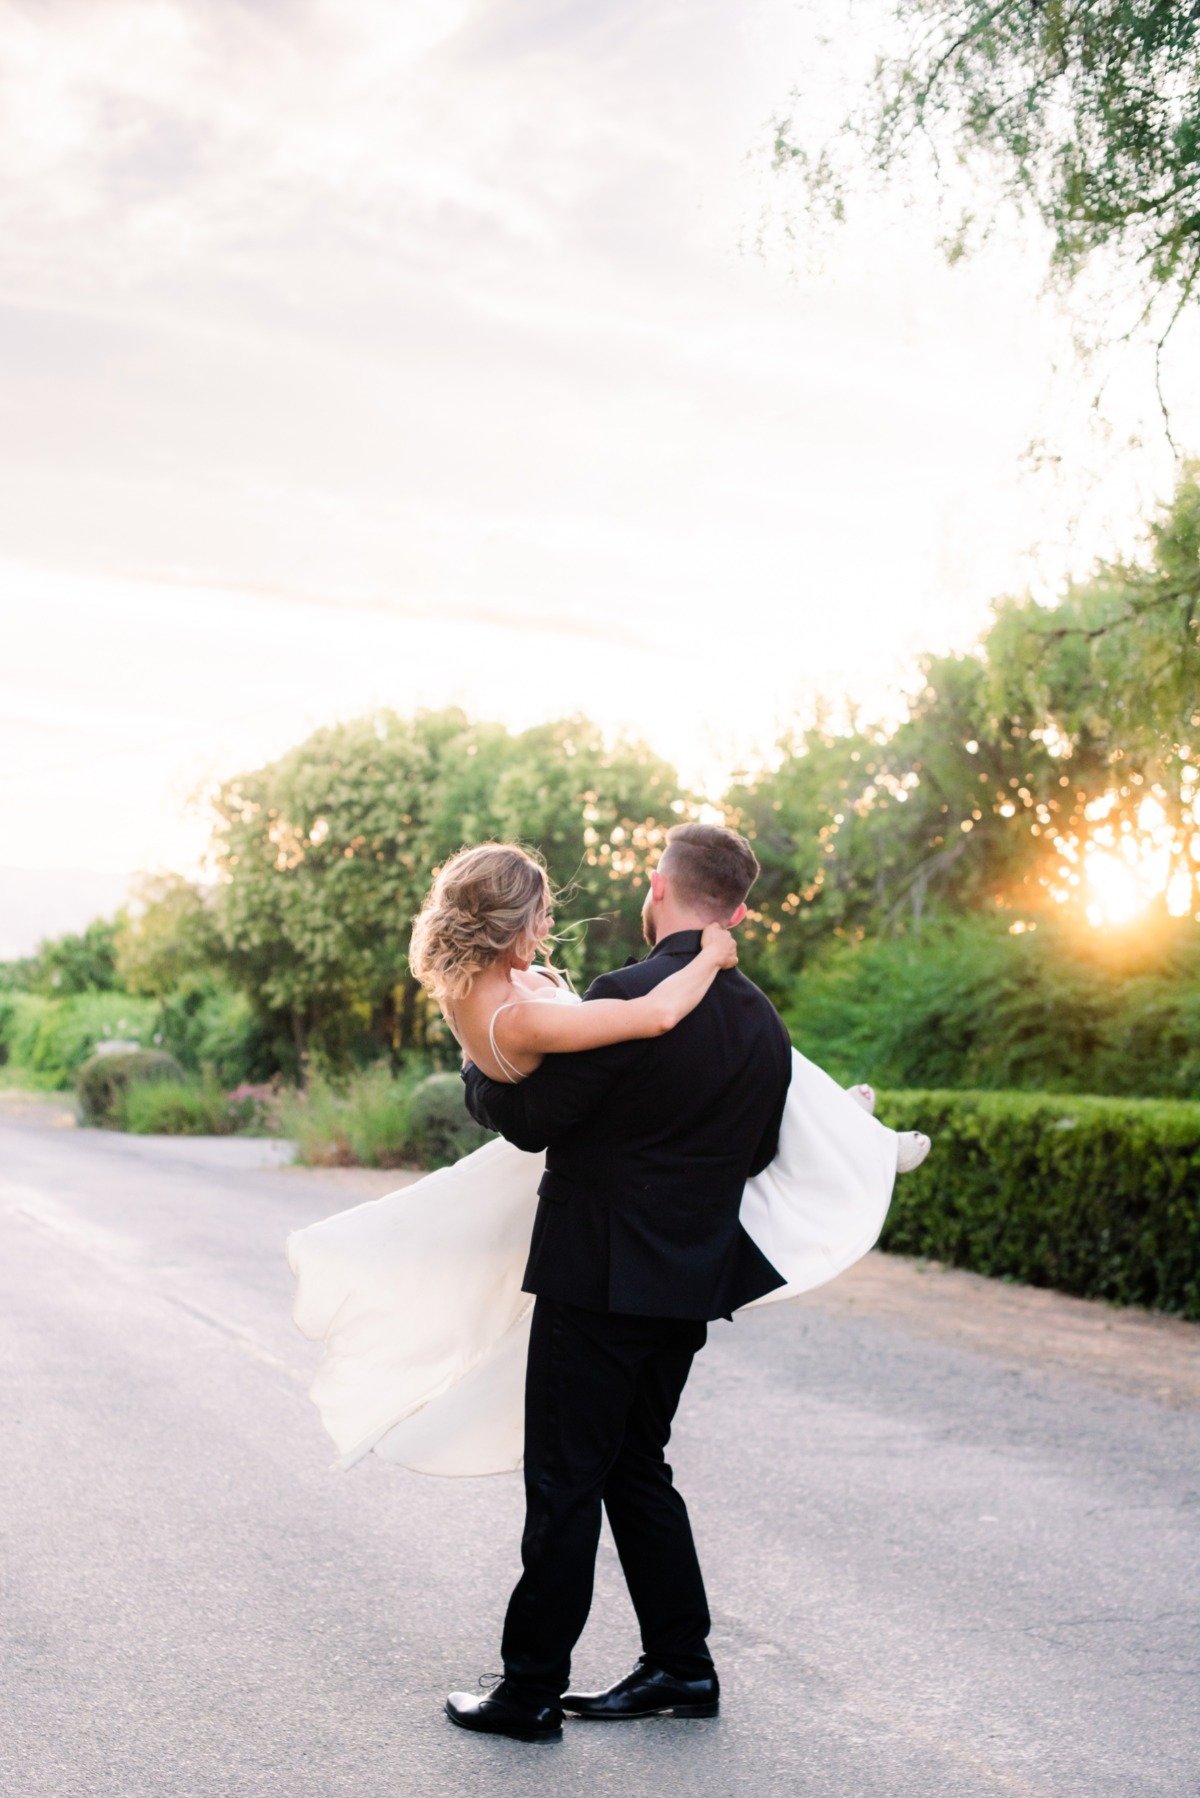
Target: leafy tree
column 327, row 854
column 82, row 962
column 167, row 933
column 1110, row 677
column 599, row 813
column 1072, row 723
column 1085, row 115
column 859, row 833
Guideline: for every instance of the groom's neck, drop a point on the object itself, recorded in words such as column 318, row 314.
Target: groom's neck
column 672, row 919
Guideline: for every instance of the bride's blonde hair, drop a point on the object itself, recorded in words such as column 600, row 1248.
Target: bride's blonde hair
column 483, row 903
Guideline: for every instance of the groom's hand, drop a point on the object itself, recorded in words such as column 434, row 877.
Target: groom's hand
column 476, row 1088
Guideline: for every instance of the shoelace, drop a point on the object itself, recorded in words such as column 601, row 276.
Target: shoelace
column 489, row 1681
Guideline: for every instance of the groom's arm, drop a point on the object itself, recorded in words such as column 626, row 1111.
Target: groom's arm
column 559, row 1095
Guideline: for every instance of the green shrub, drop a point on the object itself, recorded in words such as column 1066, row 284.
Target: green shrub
column 359, row 1122
column 178, row 1108
column 10, row 1007
column 205, row 1025
column 104, row 1082
column 1099, row 1197
column 52, row 1038
column 441, row 1129
column 21, row 1015
column 969, row 1005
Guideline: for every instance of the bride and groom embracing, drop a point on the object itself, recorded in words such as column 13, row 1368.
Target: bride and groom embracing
column 664, row 1159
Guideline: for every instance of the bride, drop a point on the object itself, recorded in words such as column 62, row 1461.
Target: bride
column 417, row 1295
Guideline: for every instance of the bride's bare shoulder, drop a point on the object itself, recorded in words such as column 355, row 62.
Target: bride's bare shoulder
column 546, row 972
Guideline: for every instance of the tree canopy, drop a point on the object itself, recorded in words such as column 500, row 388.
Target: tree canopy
column 326, row 855
column 1071, row 734
column 1087, row 116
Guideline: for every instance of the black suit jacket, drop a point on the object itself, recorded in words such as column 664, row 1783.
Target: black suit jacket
column 648, row 1147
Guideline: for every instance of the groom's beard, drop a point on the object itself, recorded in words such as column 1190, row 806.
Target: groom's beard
column 648, row 930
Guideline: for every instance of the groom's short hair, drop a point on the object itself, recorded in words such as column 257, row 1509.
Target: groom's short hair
column 710, row 868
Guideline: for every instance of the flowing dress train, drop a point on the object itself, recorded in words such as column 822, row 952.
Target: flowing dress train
column 417, row 1295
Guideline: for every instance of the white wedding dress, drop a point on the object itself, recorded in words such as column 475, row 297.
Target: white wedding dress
column 417, row 1295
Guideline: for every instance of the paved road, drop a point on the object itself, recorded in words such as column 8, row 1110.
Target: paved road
column 933, row 1571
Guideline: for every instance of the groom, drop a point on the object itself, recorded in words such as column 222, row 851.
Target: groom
column 636, row 1246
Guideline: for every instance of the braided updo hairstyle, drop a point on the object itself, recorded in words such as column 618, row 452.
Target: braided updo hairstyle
column 484, row 902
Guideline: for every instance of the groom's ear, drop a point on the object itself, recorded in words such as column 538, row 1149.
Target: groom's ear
column 658, row 886
column 737, row 917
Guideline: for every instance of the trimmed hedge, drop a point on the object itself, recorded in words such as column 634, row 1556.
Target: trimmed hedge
column 103, row 1082
column 1099, row 1197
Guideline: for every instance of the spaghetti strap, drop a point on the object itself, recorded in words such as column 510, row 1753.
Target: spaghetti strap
column 513, row 1073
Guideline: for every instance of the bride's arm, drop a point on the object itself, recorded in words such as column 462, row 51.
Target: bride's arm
column 547, row 1029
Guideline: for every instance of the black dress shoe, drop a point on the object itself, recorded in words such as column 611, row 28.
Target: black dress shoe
column 504, row 1713
column 647, row 1692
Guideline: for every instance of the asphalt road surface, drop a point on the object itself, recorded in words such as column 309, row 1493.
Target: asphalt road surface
column 933, row 1569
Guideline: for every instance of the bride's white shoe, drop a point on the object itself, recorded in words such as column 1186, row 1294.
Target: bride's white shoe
column 863, row 1095
column 911, row 1150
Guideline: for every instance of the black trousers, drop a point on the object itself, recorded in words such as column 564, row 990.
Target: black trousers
column 601, row 1391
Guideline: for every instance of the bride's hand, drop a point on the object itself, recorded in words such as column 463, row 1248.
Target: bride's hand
column 716, row 942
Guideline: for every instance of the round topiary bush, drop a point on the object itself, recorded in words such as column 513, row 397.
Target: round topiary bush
column 441, row 1129
column 103, row 1080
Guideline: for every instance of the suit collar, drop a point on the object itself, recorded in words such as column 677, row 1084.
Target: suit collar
column 680, row 942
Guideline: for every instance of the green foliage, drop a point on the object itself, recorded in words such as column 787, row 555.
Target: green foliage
column 21, row 1014
column 327, row 854
column 69, row 965
column 861, row 830
column 104, row 1083
column 205, row 1025
column 51, row 1038
column 362, row 1121
column 1086, row 116
column 15, row 976
column 983, row 798
column 1110, row 676
column 378, row 1119
column 167, row 936
column 968, row 1005
column 440, row 1128
column 1099, row 1197
column 168, row 1107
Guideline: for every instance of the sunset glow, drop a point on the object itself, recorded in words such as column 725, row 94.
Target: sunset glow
column 1120, row 871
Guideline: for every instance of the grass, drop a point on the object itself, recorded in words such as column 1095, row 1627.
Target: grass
column 361, row 1122
column 178, row 1108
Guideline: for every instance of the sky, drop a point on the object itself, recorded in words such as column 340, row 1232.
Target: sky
column 358, row 354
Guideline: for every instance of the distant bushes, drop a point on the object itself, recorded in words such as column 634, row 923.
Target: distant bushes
column 203, row 1024
column 187, row 1108
column 1099, row 1197
column 146, row 1092
column 968, row 1005
column 106, row 1083
column 50, row 1039
column 377, row 1119
column 440, row 1128
column 207, row 1026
